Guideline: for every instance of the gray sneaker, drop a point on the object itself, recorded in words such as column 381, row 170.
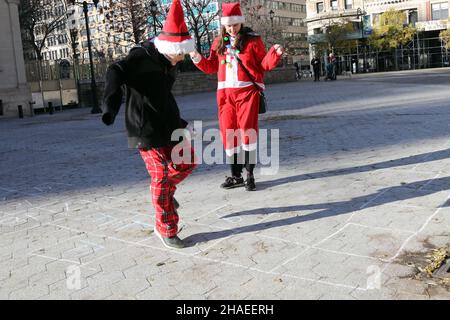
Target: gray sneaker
column 170, row 242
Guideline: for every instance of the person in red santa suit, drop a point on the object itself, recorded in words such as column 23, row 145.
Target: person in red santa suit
column 237, row 97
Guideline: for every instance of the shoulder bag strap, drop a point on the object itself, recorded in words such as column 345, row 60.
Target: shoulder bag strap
column 248, row 73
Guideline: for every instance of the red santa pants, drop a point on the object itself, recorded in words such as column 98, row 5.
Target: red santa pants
column 165, row 175
column 238, row 118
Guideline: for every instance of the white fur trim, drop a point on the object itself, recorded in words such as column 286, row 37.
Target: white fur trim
column 237, row 84
column 169, row 47
column 196, row 60
column 249, row 147
column 232, row 20
column 232, row 151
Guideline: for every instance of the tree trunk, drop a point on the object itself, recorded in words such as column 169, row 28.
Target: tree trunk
column 198, row 43
column 395, row 59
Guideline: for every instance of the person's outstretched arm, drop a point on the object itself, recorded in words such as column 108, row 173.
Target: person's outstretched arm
column 113, row 91
column 270, row 59
column 208, row 65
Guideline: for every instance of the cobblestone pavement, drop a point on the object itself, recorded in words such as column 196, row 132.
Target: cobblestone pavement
column 364, row 181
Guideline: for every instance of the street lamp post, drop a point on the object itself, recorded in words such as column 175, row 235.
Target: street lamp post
column 95, row 107
column 360, row 14
column 271, row 16
column 154, row 12
column 74, row 43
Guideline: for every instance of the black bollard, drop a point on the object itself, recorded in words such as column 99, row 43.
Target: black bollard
column 31, row 103
column 20, row 111
column 50, row 108
column 1, row 107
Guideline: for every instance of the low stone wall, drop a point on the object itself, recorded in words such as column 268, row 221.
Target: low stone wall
column 10, row 99
column 187, row 83
column 193, row 82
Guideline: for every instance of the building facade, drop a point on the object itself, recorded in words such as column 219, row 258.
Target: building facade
column 323, row 13
column 14, row 90
column 280, row 21
column 112, row 35
column 430, row 17
column 290, row 15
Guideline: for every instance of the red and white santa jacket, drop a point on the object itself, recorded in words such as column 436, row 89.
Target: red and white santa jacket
column 229, row 73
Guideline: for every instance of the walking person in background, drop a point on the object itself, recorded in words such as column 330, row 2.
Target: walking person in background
column 298, row 74
column 152, row 115
column 238, row 56
column 315, row 62
column 333, row 62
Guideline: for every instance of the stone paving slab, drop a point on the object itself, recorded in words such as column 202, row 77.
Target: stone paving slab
column 362, row 182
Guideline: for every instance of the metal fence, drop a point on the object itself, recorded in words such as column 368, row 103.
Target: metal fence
column 45, row 71
column 421, row 53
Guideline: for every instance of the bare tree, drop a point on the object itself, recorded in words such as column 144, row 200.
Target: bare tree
column 257, row 16
column 200, row 17
column 131, row 16
column 336, row 38
column 40, row 19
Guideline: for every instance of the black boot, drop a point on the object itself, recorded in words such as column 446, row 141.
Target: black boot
column 250, row 163
column 236, row 179
column 232, row 182
column 250, row 183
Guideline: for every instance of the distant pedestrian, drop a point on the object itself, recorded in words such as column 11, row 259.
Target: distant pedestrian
column 298, row 75
column 315, row 62
column 332, row 60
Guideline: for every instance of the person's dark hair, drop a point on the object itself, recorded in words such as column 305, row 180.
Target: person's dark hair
column 149, row 46
column 241, row 38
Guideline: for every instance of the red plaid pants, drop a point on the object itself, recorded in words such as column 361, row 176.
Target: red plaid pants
column 165, row 175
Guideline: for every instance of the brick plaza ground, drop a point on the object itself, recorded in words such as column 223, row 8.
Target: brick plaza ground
column 363, row 186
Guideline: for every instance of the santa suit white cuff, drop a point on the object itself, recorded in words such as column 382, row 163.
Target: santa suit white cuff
column 197, row 58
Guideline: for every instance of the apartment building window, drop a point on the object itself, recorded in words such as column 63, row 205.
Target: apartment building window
column 413, row 17
column 376, row 19
column 439, row 11
column 296, row 8
column 348, row 4
column 334, row 5
column 319, row 7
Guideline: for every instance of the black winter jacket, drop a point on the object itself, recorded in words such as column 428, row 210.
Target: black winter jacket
column 151, row 113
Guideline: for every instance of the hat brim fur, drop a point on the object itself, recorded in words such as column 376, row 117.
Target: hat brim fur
column 226, row 21
column 169, row 47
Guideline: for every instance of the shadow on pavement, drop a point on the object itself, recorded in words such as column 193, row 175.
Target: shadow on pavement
column 402, row 192
column 415, row 159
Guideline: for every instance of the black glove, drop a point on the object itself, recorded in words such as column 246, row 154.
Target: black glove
column 108, row 118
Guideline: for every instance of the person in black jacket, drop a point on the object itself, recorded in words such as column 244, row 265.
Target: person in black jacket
column 315, row 62
column 152, row 115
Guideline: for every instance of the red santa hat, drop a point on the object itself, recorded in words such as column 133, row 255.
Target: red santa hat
column 174, row 37
column 231, row 14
